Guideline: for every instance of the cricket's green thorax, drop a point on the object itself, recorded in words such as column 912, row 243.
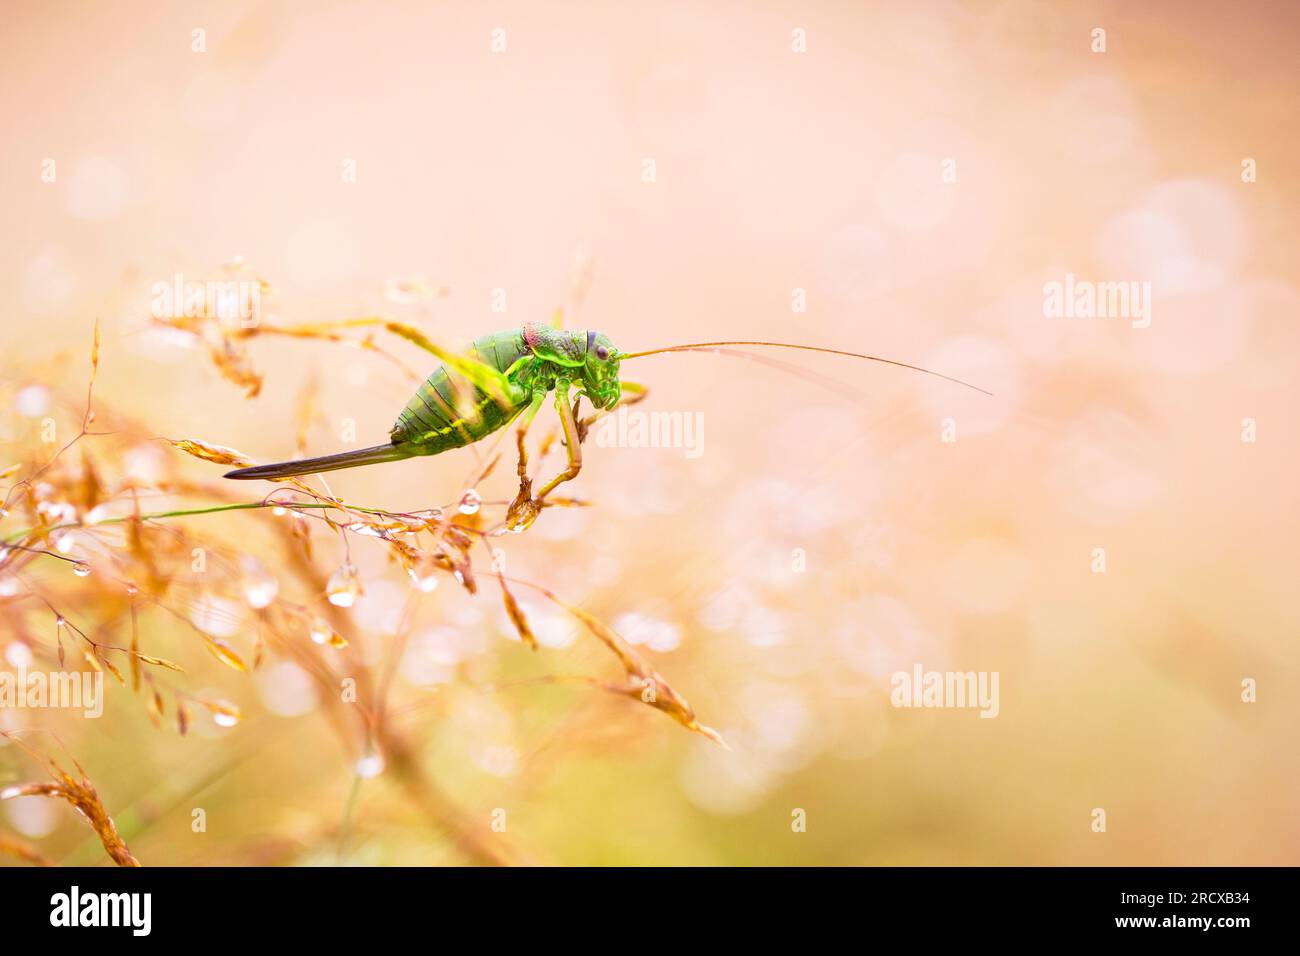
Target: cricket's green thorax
column 586, row 358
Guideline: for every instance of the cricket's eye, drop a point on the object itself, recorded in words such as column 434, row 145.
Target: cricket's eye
column 602, row 353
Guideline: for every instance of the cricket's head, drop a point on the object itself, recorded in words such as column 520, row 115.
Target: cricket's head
column 600, row 370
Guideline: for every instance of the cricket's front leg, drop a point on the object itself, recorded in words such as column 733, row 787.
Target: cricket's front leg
column 571, row 443
column 631, row 392
column 524, row 509
column 630, row 395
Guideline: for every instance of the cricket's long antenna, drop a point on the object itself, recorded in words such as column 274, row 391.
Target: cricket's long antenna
column 706, row 346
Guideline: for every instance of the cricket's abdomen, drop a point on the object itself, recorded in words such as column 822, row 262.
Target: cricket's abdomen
column 448, row 412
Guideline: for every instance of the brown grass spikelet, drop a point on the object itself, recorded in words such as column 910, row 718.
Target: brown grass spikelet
column 217, row 454
column 158, row 662
column 223, row 711
column 516, row 614
column 644, row 683
column 226, row 654
column 81, row 794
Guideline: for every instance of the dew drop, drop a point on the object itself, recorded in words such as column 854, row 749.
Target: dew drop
column 259, row 585
column 57, row 512
column 470, row 502
column 81, row 570
column 96, row 514
column 343, row 587
column 423, row 581
column 224, row 720
column 260, row 594
column 370, row 766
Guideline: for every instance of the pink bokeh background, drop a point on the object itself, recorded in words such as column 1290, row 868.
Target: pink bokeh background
column 774, row 171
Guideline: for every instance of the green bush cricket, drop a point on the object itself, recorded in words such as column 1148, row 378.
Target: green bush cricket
column 504, row 376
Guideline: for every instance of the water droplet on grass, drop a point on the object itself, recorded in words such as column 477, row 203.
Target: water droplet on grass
column 370, row 766
column 322, row 633
column 422, row 580
column 343, row 587
column 259, row 585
